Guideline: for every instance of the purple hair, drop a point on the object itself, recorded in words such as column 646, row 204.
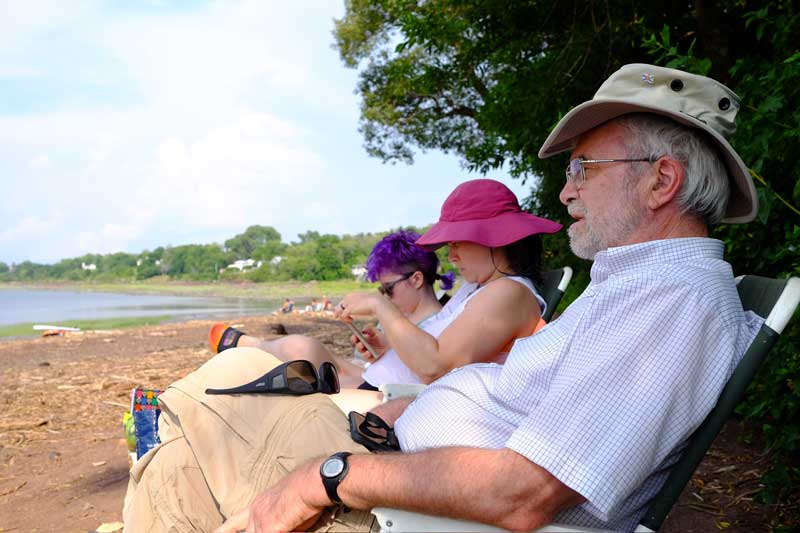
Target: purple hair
column 397, row 253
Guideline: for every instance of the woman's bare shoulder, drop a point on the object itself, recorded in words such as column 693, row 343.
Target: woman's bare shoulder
column 502, row 292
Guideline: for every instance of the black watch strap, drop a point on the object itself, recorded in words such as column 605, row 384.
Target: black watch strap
column 331, row 482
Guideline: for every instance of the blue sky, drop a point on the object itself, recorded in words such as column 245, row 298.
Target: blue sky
column 129, row 125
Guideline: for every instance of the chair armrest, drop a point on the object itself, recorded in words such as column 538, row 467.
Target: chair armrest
column 396, row 520
column 565, row 279
column 785, row 306
column 393, row 391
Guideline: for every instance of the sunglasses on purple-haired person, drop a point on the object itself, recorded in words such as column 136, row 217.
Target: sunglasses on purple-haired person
column 388, row 288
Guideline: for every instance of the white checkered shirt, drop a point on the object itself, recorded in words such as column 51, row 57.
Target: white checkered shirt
column 605, row 396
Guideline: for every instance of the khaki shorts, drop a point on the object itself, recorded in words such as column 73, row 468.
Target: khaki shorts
column 219, row 452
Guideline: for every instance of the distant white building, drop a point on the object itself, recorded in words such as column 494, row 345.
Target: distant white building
column 90, row 266
column 243, row 264
column 139, row 262
column 359, row 272
column 275, row 261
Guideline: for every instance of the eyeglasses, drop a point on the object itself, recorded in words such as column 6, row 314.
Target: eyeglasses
column 296, row 378
column 388, row 288
column 577, row 173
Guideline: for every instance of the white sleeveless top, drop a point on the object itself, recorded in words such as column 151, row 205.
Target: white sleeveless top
column 391, row 369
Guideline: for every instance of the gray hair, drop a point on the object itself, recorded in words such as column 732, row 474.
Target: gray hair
column 706, row 190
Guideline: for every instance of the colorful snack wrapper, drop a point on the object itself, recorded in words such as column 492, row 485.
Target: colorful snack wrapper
column 145, row 411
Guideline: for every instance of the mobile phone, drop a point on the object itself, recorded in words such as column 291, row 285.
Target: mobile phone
column 360, row 337
column 372, row 432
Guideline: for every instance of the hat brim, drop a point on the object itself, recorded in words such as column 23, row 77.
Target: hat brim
column 497, row 231
column 743, row 202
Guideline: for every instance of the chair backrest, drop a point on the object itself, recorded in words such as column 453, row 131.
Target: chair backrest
column 776, row 300
column 554, row 284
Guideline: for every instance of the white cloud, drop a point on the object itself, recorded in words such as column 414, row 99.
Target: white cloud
column 218, row 179
column 24, row 25
column 201, row 61
column 40, row 162
column 186, row 153
column 108, row 239
column 187, row 124
column 19, row 71
column 29, row 227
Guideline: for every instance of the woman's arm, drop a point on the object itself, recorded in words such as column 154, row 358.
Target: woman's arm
column 500, row 312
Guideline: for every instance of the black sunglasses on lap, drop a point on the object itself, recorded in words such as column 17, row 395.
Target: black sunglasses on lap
column 296, row 378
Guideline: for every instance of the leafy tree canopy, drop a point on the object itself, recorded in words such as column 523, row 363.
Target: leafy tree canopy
column 257, row 242
column 314, row 257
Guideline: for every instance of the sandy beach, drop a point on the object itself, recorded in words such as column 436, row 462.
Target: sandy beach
column 63, row 459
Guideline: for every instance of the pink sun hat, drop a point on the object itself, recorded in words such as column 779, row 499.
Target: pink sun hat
column 486, row 212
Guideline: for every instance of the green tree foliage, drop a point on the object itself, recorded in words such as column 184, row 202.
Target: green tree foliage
column 70, row 269
column 194, row 261
column 261, row 243
column 488, row 79
column 28, row 271
column 148, row 264
column 313, row 257
column 3, row 268
column 118, row 266
column 324, row 257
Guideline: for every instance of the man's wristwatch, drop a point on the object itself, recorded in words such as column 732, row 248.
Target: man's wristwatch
column 333, row 471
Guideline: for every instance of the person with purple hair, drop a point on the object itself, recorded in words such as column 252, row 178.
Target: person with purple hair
column 406, row 273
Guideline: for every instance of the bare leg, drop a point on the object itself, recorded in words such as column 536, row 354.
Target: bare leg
column 293, row 347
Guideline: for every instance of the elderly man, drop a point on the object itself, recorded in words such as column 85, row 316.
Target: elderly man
column 586, row 416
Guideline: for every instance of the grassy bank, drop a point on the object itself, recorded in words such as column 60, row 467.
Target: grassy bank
column 26, row 329
column 288, row 289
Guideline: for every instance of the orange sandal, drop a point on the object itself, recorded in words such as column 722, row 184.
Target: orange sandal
column 222, row 337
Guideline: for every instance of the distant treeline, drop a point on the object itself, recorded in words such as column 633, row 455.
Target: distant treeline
column 313, row 257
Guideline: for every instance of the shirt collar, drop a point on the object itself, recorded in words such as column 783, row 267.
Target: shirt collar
column 620, row 258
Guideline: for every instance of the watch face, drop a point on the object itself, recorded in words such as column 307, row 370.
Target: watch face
column 332, row 467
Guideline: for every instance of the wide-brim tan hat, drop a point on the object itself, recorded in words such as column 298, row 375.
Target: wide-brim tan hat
column 692, row 100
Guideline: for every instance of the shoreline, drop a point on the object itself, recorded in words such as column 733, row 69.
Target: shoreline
column 219, row 289
column 24, row 330
column 300, row 292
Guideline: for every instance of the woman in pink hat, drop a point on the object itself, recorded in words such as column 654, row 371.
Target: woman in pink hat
column 497, row 249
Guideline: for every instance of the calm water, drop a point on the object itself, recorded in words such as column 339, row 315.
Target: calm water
column 51, row 306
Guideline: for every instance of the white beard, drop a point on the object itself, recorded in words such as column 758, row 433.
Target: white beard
column 584, row 244
column 597, row 234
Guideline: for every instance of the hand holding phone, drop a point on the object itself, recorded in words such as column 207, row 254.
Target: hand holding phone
column 360, row 336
